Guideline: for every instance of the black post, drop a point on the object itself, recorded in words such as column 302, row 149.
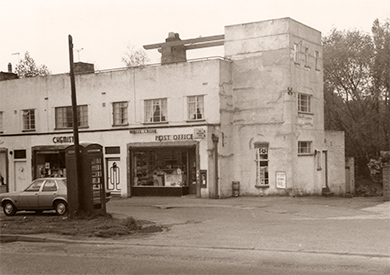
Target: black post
column 215, row 140
column 75, row 130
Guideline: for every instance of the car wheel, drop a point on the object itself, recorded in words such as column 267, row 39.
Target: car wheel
column 61, row 207
column 9, row 208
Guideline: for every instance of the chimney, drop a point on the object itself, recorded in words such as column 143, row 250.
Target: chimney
column 9, row 67
column 174, row 53
column 83, row 68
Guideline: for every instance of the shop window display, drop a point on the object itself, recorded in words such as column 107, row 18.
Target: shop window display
column 162, row 167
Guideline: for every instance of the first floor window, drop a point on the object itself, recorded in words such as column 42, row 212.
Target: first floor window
column 28, row 120
column 262, row 177
column 195, row 107
column 304, row 103
column 304, row 147
column 156, row 110
column 120, row 113
column 64, row 116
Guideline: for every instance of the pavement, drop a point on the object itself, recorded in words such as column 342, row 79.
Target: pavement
column 329, row 225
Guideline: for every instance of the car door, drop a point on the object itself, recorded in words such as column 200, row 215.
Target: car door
column 47, row 194
column 28, row 199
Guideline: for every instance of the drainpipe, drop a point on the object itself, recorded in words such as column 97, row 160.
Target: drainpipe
column 215, row 139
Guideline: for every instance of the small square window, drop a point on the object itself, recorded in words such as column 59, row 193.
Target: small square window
column 304, row 147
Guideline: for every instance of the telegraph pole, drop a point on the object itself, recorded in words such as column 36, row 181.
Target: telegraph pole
column 75, row 208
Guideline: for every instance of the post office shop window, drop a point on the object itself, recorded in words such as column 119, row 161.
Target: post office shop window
column 120, row 113
column 1, row 122
column 156, row 110
column 64, row 116
column 305, row 148
column 304, row 103
column 28, row 117
column 164, row 167
column 196, row 107
column 261, row 160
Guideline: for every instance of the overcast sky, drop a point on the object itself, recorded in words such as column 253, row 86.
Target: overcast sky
column 104, row 28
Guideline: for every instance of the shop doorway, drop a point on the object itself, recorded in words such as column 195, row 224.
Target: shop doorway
column 163, row 171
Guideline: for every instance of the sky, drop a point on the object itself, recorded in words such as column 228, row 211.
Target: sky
column 102, row 29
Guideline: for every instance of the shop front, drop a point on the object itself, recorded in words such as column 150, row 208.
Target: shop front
column 164, row 168
column 49, row 161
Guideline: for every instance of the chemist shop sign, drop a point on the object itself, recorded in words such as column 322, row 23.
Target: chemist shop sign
column 63, row 139
column 174, row 137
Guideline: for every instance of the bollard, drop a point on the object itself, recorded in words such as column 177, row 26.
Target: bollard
column 236, row 188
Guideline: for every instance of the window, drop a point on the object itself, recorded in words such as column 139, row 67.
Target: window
column 28, row 120
column 50, row 185
column 304, row 103
column 317, row 57
column 35, row 186
column 307, row 57
column 156, row 110
column 261, row 164
column 304, row 147
column 64, row 117
column 120, row 114
column 296, row 52
column 20, row 154
column 1, row 122
column 195, row 107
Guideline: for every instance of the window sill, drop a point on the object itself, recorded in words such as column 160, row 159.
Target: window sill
column 306, row 155
column 120, row 125
column 305, row 113
column 26, row 131
column 262, row 186
column 71, row 128
column 195, row 120
column 161, row 122
column 307, row 66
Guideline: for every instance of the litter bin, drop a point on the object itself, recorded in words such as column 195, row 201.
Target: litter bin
column 236, row 188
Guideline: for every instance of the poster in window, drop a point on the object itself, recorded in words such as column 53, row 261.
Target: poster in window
column 281, row 179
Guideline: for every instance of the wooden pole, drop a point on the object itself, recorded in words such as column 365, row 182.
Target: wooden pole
column 78, row 170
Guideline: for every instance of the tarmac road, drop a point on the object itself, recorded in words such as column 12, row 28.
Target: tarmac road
column 245, row 235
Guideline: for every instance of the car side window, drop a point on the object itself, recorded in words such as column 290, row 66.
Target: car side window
column 50, row 185
column 35, row 186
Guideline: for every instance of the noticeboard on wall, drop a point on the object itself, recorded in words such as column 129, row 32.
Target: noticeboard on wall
column 281, row 179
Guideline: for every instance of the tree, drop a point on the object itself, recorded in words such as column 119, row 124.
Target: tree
column 135, row 57
column 27, row 67
column 354, row 88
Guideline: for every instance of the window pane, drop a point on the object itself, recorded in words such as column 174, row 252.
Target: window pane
column 29, row 119
column 156, row 110
column 195, row 107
